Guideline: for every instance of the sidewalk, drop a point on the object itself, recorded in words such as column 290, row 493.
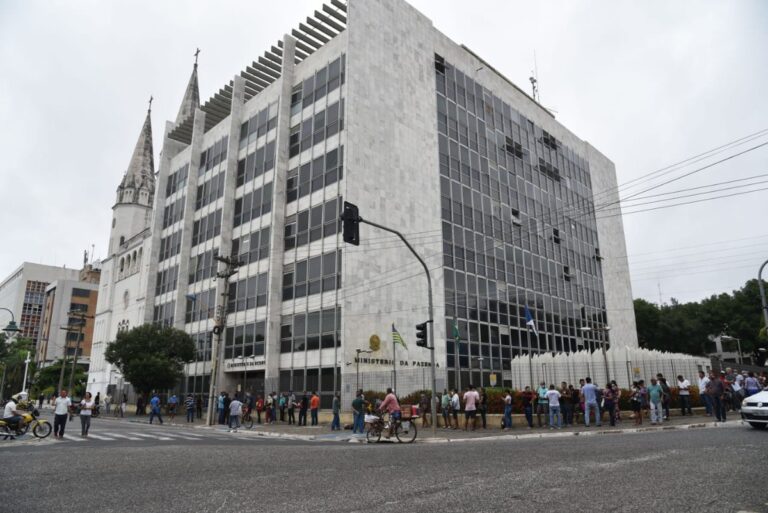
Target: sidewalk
column 519, row 431
column 323, row 433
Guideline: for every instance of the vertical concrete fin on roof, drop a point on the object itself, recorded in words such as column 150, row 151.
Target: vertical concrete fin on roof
column 191, row 99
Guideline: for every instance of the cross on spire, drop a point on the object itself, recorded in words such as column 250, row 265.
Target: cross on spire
column 150, row 102
column 197, row 52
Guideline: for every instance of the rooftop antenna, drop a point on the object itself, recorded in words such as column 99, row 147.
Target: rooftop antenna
column 93, row 250
column 658, row 284
column 534, row 78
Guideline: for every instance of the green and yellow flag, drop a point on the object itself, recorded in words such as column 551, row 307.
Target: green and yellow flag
column 397, row 338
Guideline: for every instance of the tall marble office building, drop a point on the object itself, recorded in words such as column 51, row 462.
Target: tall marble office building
column 367, row 102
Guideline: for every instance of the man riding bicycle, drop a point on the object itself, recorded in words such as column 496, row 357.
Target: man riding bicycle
column 391, row 406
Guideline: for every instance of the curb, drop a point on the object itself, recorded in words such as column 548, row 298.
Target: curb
column 700, row 425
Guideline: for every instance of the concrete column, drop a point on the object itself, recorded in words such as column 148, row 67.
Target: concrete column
column 230, row 184
column 277, row 243
column 170, row 149
column 196, row 147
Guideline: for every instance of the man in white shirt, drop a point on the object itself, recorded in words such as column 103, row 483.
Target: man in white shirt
column 705, row 398
column 62, row 405
column 553, row 396
column 471, row 398
column 683, row 387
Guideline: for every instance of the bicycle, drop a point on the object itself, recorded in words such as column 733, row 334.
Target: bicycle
column 404, row 429
column 247, row 420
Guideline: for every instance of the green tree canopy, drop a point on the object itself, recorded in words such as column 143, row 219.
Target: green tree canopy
column 150, row 356
column 686, row 327
column 12, row 356
column 47, row 380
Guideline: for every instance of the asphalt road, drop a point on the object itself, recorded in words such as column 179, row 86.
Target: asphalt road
column 701, row 470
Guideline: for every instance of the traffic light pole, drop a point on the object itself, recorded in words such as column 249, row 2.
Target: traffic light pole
column 431, row 346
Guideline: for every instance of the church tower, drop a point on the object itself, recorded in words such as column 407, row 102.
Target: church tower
column 132, row 212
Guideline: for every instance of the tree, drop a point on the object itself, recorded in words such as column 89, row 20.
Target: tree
column 151, row 357
column 12, row 357
column 47, row 380
column 686, row 327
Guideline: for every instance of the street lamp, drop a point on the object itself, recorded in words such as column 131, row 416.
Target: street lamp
column 604, row 329
column 357, row 366
column 728, row 338
column 479, row 360
column 11, row 329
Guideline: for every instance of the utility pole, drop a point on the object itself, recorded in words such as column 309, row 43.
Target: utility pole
column 762, row 294
column 232, row 266
column 68, row 329
column 82, row 316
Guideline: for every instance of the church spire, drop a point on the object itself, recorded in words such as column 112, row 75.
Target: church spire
column 138, row 185
column 191, row 99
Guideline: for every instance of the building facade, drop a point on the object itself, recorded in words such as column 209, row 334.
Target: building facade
column 68, row 315
column 23, row 292
column 369, row 103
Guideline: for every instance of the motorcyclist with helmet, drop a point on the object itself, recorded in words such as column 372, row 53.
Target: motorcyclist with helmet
column 11, row 415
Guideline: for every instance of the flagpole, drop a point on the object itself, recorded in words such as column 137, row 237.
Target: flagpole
column 530, row 358
column 394, row 366
column 457, row 383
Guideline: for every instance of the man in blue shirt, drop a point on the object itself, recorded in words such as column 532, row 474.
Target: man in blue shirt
column 589, row 396
column 154, row 405
column 654, row 398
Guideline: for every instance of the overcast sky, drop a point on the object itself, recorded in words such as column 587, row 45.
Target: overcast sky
column 647, row 83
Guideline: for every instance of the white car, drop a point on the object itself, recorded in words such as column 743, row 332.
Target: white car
column 754, row 409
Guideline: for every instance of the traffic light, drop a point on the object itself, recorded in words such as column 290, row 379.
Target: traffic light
column 421, row 335
column 351, row 220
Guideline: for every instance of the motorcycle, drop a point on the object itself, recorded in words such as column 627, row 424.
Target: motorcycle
column 41, row 428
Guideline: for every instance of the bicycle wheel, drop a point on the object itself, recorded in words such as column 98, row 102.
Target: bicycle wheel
column 405, row 431
column 373, row 435
column 248, row 422
column 42, row 429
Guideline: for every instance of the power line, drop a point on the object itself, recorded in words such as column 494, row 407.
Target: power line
column 684, row 203
column 689, row 173
column 587, row 210
column 697, row 246
column 697, row 272
column 696, row 158
column 705, row 187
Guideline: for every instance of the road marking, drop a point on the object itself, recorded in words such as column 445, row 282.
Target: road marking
column 98, row 437
column 155, row 437
column 176, row 435
column 73, row 439
column 117, row 435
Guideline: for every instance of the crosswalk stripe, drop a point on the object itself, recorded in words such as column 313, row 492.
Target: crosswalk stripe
column 98, row 437
column 175, row 435
column 117, row 435
column 155, row 437
column 74, row 439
